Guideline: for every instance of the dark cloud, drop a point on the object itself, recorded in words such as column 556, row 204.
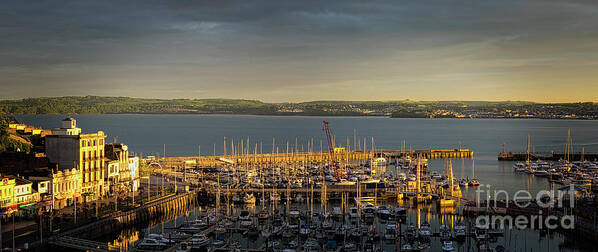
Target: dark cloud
column 293, row 50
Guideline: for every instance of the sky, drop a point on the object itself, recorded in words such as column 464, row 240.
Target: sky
column 278, row 51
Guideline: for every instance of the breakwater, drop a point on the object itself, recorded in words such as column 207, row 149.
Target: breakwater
column 551, row 156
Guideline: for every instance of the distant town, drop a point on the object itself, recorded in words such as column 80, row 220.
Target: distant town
column 398, row 109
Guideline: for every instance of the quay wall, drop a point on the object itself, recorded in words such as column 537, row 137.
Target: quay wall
column 322, row 157
column 169, row 206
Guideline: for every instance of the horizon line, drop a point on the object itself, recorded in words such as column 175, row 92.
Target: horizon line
column 304, row 101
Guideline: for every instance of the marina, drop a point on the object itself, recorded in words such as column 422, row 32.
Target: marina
column 371, row 183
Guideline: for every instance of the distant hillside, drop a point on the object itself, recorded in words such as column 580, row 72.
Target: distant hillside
column 111, row 105
column 397, row 108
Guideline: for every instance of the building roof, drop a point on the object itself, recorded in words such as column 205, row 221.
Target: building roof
column 19, row 180
column 68, row 119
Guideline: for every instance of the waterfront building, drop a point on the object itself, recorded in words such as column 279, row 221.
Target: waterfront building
column 134, row 172
column 65, row 187
column 24, row 193
column 112, row 175
column 69, row 148
column 123, row 173
column 7, row 187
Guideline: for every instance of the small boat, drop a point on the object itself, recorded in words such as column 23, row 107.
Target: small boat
column 354, row 213
column 368, row 212
column 445, row 233
column 178, row 236
column 390, row 233
column 183, row 247
column 199, row 240
column 220, row 229
column 481, row 234
column 311, row 245
column 400, row 212
column 294, row 213
column 266, row 233
column 435, row 175
column 448, row 246
column 249, row 199
column 349, row 246
column 327, row 225
column 190, row 229
column 474, row 182
column 355, row 234
column 411, row 231
column 263, row 215
column 407, row 247
column 245, row 223
column 384, row 213
column 379, row 161
column 424, row 230
column 304, row 231
column 460, row 231
column 293, row 244
column 218, row 243
column 463, row 182
column 345, row 182
column 245, row 215
column 541, row 173
column 337, row 212
column 151, row 244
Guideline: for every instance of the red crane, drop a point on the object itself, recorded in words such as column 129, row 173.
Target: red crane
column 330, row 144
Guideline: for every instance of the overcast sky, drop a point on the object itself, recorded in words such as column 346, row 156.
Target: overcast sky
column 543, row 50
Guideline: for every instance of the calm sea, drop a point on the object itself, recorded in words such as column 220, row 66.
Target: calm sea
column 184, row 135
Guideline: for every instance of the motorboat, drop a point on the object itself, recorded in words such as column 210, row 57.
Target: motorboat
column 354, row 213
column 245, row 215
column 311, row 245
column 344, row 182
column 411, row 231
column 400, row 212
column 390, row 233
column 160, row 238
column 294, row 213
column 460, row 231
column 151, row 244
column 183, row 247
column 383, row 213
column 190, row 229
column 368, row 212
column 445, row 232
column 474, row 182
column 448, row 246
column 424, row 230
column 198, row 241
